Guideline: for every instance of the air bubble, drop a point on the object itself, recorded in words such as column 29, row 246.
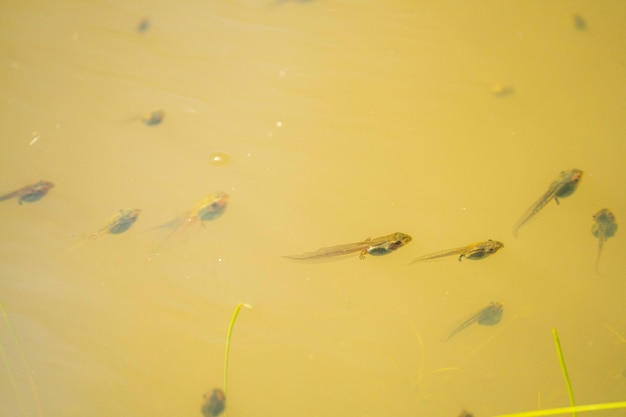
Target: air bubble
column 219, row 158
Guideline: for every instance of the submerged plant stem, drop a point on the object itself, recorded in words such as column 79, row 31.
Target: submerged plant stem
column 568, row 384
column 228, row 336
column 564, row 410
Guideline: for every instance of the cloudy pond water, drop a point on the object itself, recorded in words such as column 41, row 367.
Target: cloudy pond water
column 258, row 129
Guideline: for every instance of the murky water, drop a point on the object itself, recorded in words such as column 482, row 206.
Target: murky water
column 333, row 121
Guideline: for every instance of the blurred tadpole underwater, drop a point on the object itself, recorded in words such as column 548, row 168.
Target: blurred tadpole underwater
column 603, row 228
column 209, row 208
column 562, row 187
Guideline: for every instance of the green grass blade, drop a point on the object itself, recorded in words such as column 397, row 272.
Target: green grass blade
column 565, row 410
column 568, row 384
column 228, row 337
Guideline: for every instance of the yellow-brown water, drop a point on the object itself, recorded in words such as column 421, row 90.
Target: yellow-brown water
column 336, row 121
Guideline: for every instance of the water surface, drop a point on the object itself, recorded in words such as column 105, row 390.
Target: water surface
column 341, row 120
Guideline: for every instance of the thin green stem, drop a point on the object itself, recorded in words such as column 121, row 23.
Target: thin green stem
column 228, row 337
column 565, row 410
column 568, row 384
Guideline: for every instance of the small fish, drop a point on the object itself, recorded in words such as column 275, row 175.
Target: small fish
column 475, row 251
column 488, row 316
column 604, row 227
column 465, row 413
column 209, row 208
column 563, row 187
column 118, row 224
column 214, row 403
column 29, row 193
column 375, row 247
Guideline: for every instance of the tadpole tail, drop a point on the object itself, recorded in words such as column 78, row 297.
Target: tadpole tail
column 437, row 255
column 330, row 252
column 600, row 247
column 533, row 210
column 9, row 196
column 458, row 328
